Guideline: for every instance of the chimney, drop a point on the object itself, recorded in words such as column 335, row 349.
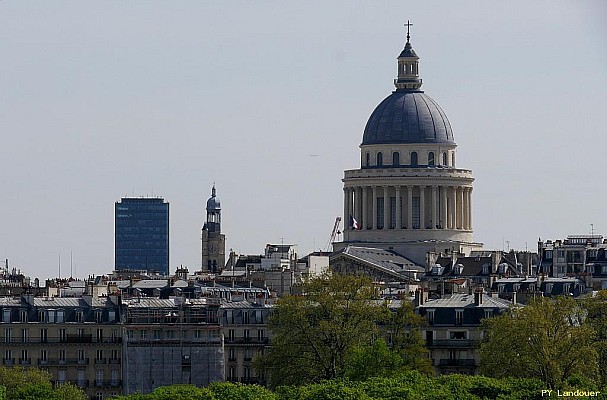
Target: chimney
column 513, row 297
column 419, row 298
column 478, row 296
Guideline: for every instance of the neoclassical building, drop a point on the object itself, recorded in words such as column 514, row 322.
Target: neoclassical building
column 213, row 241
column 408, row 194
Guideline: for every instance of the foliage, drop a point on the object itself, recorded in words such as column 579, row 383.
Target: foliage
column 327, row 390
column 547, row 339
column 315, row 333
column 32, row 383
column 596, row 308
column 173, row 392
column 238, row 391
column 375, row 360
column 405, row 328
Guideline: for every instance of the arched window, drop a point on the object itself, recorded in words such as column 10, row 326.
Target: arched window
column 414, row 158
column 368, row 160
column 431, row 158
column 445, row 159
column 380, row 159
column 453, row 159
column 396, row 158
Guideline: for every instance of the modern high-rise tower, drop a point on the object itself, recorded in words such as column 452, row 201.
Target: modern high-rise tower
column 142, row 235
column 213, row 241
column 408, row 195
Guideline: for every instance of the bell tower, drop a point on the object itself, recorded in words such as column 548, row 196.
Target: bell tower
column 213, row 241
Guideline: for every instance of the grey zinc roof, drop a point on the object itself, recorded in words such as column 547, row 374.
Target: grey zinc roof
column 466, row 300
column 383, row 259
column 408, row 117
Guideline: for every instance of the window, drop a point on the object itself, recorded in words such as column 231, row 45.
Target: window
column 431, row 158
column 415, row 213
column 230, row 316
column 62, row 335
column 43, row 356
column 115, row 355
column 157, row 334
column 230, row 335
column 380, row 213
column 115, row 336
column 81, row 378
column 459, row 317
column 6, row 315
column 549, row 288
column 453, row 159
column 8, row 333
column 100, row 335
column 445, row 159
column 61, row 376
column 260, row 335
column 368, row 160
column 488, row 313
column 81, row 355
column 79, row 316
column 396, row 158
column 43, row 335
column 247, row 335
column 60, row 317
column 99, row 377
column 24, row 357
column 232, row 354
column 8, row 354
column 114, row 378
column 245, row 317
column 430, row 315
column 24, row 335
column 380, row 159
column 99, row 396
column 80, row 333
column 62, row 355
column 41, row 315
column 23, row 316
column 458, row 335
column 414, row 159
column 258, row 317
column 98, row 316
column 99, row 355
column 143, row 334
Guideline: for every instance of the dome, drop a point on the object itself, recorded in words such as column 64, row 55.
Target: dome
column 213, row 203
column 408, row 117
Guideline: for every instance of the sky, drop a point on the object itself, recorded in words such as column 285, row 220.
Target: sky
column 268, row 100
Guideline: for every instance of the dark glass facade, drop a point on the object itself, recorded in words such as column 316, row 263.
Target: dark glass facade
column 141, row 235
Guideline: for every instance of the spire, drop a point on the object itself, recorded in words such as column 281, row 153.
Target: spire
column 213, row 194
column 408, row 66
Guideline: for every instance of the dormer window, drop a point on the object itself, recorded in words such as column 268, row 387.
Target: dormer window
column 380, row 159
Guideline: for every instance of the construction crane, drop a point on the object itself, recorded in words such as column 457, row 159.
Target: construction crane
column 334, row 233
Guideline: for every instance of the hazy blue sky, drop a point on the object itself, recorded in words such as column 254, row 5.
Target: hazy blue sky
column 103, row 99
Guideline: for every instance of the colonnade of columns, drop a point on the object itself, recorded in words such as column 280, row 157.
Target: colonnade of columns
column 409, row 207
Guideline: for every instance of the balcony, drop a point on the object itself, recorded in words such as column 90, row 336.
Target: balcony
column 100, row 361
column 83, row 361
column 25, row 361
column 462, row 362
column 8, row 361
column 108, row 383
column 114, row 361
column 452, row 343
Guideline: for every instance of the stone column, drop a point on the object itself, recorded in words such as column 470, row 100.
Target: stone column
column 453, row 212
column 470, row 208
column 422, row 207
column 364, row 223
column 346, row 213
column 374, row 216
column 398, row 224
column 409, row 207
column 357, row 204
column 386, row 209
column 460, row 192
column 434, row 218
column 443, row 205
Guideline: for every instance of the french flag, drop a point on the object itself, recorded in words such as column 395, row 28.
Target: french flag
column 354, row 224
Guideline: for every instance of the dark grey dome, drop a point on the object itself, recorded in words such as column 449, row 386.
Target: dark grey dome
column 213, row 203
column 408, row 117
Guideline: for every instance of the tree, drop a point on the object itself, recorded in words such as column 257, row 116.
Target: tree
column 404, row 326
column 32, row 383
column 597, row 318
column 315, row 333
column 547, row 339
